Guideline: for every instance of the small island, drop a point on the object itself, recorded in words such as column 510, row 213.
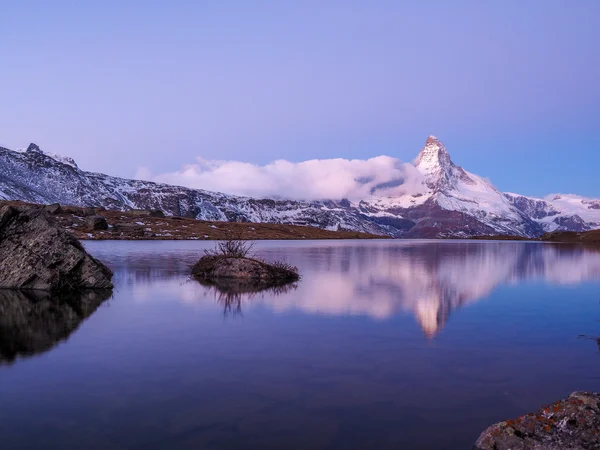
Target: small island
column 231, row 260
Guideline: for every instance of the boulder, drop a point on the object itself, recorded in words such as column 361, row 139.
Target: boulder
column 149, row 213
column 80, row 211
column 570, row 424
column 36, row 253
column 54, row 208
column 157, row 213
column 215, row 267
column 130, row 230
column 97, row 222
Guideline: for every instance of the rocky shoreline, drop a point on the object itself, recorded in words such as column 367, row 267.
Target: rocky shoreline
column 569, row 424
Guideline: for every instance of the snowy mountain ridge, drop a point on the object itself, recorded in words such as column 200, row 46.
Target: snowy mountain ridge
column 445, row 201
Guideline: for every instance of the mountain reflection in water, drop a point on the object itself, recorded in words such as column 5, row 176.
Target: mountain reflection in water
column 429, row 279
column 32, row 322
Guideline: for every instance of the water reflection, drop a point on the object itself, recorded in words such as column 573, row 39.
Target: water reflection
column 431, row 280
column 427, row 279
column 32, row 322
column 231, row 294
column 335, row 363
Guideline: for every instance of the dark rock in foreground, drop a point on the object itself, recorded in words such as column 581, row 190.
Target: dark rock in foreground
column 36, row 253
column 211, row 267
column 35, row 321
column 570, row 424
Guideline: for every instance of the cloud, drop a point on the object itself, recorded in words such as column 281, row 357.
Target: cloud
column 316, row 179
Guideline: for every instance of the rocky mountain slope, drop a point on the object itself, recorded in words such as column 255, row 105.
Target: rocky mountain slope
column 447, row 201
column 560, row 212
column 105, row 224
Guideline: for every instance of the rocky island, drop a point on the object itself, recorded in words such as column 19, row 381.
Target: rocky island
column 219, row 267
column 230, row 263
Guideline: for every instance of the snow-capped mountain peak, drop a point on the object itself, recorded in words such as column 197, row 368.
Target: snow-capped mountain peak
column 433, row 157
column 434, row 162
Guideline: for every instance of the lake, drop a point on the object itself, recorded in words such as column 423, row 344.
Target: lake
column 382, row 345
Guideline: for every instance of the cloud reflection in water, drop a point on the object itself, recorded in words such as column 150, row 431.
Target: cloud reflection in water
column 427, row 279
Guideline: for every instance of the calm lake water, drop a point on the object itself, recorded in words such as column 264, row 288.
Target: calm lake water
column 381, row 345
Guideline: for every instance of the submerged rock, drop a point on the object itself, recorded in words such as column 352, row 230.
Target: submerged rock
column 570, row 424
column 211, row 267
column 35, row 321
column 36, row 253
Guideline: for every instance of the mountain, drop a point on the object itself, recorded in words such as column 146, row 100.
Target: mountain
column 445, row 200
column 560, row 212
column 37, row 177
column 453, row 202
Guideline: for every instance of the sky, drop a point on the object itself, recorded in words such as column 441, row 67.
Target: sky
column 148, row 88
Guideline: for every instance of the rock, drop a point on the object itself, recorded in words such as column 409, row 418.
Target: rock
column 35, row 321
column 211, row 267
column 97, row 223
column 140, row 212
column 570, row 424
column 157, row 213
column 79, row 211
column 131, row 230
column 36, row 253
column 54, row 208
column 75, row 210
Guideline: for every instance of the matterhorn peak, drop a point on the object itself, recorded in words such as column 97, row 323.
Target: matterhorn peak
column 433, row 156
column 433, row 140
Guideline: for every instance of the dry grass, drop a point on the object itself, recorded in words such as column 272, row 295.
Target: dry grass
column 235, row 245
column 136, row 225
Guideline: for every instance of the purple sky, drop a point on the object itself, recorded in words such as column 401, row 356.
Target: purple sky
column 511, row 87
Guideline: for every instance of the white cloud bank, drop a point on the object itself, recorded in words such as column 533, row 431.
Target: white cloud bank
column 316, row 179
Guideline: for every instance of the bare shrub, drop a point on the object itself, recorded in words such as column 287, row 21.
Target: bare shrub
column 285, row 266
column 233, row 246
